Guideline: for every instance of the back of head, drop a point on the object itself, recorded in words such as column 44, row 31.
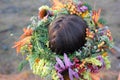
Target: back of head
column 67, row 34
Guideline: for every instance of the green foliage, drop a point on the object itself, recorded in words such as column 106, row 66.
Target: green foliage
column 22, row 64
column 102, row 21
column 45, row 68
column 107, row 62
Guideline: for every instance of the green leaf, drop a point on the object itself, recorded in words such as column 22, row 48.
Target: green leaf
column 102, row 21
column 22, row 64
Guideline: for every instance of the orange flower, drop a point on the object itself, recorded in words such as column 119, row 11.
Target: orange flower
column 27, row 32
column 37, row 60
column 24, row 39
column 21, row 43
column 96, row 15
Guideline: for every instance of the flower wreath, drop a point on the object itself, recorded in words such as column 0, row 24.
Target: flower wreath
column 48, row 65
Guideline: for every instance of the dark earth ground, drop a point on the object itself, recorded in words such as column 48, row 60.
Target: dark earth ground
column 15, row 14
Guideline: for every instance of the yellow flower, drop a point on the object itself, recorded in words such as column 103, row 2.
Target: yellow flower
column 84, row 14
column 105, row 54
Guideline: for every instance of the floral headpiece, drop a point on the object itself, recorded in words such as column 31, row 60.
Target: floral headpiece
column 81, row 64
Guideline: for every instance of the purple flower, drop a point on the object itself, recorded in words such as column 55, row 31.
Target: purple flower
column 60, row 76
column 83, row 8
column 79, row 6
column 78, row 9
column 67, row 61
column 73, row 74
column 64, row 65
column 60, row 63
column 61, row 66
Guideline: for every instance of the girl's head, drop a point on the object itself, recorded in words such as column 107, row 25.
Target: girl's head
column 67, row 34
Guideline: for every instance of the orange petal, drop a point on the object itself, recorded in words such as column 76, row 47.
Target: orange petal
column 27, row 32
column 96, row 15
column 25, row 40
column 21, row 43
column 18, row 49
column 16, row 44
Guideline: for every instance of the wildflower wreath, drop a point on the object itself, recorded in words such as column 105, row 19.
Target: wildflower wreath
column 79, row 65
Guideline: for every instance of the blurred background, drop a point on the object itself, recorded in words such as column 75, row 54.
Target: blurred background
column 15, row 14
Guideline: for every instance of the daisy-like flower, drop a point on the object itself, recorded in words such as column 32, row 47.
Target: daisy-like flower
column 64, row 68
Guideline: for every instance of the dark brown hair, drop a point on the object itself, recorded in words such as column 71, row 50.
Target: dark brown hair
column 67, row 34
